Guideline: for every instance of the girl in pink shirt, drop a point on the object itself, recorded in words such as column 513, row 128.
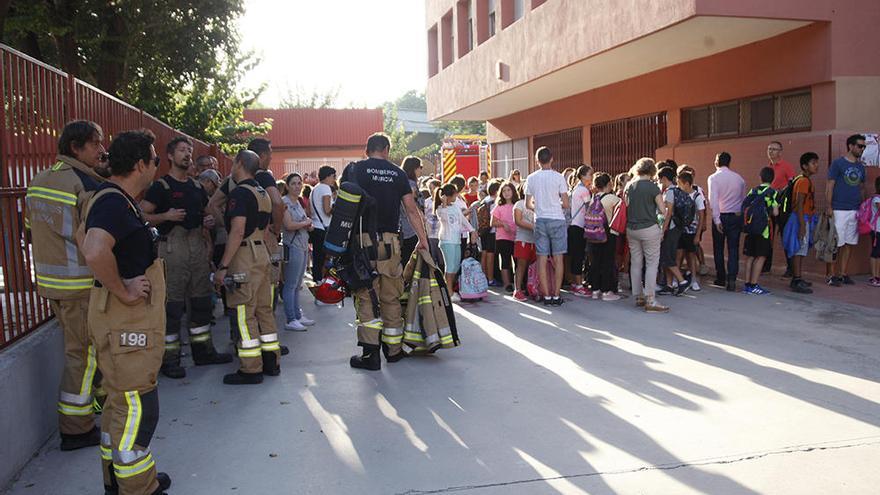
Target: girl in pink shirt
column 505, row 231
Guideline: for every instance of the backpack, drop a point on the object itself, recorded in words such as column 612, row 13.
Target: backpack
column 533, row 285
column 595, row 222
column 755, row 213
column 683, row 208
column 484, row 217
column 866, row 217
column 472, row 284
column 786, row 196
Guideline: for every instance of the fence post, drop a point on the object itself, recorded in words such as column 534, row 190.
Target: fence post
column 4, row 129
column 70, row 98
column 141, row 122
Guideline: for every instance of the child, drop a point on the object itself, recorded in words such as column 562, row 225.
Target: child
column 505, row 231
column 524, row 247
column 580, row 199
column 603, row 270
column 703, row 213
column 453, row 224
column 487, row 238
column 875, row 235
column 801, row 224
column 758, row 245
column 432, row 224
column 687, row 245
column 671, row 234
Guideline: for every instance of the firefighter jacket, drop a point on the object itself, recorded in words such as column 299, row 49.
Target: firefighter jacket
column 429, row 318
column 56, row 198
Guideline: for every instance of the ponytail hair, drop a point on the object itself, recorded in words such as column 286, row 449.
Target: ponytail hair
column 446, row 190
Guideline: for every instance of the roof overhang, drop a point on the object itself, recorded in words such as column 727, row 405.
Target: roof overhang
column 691, row 39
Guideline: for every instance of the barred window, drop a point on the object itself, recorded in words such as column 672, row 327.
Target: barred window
column 790, row 111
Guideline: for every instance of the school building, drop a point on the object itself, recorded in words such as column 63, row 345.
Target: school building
column 304, row 139
column 607, row 82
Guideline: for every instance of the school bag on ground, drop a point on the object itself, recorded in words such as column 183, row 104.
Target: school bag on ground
column 755, row 212
column 594, row 222
column 533, row 285
column 472, row 284
column 684, row 208
column 866, row 217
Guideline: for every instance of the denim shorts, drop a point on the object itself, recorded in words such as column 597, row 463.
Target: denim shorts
column 551, row 237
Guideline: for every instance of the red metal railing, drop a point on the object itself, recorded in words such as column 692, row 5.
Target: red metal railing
column 37, row 101
column 615, row 146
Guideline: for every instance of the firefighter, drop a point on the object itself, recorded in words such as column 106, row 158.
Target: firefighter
column 56, row 198
column 378, row 310
column 244, row 269
column 263, row 148
column 175, row 204
column 127, row 316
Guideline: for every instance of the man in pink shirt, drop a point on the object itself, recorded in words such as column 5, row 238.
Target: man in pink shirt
column 726, row 192
column 784, row 172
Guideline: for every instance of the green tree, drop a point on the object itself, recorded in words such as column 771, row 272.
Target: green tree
column 299, row 98
column 171, row 58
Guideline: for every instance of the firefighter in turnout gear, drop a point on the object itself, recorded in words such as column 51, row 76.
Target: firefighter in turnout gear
column 175, row 204
column 378, row 309
column 56, row 199
column 127, row 316
column 263, row 177
column 244, row 269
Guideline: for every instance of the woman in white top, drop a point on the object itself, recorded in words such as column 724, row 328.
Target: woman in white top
column 581, row 197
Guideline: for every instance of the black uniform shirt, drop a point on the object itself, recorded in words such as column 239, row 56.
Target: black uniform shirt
column 243, row 203
column 265, row 179
column 123, row 219
column 188, row 196
column 386, row 183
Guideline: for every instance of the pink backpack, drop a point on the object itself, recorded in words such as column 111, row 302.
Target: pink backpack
column 866, row 217
column 533, row 285
column 594, row 222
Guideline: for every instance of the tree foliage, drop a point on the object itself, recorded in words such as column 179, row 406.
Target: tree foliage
column 300, row 98
column 176, row 59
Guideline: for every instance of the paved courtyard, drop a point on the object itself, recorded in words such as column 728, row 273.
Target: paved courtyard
column 727, row 394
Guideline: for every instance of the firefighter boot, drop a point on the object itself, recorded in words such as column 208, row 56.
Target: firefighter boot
column 200, row 339
column 240, row 378
column 171, row 359
column 175, row 371
column 369, row 360
column 270, row 364
column 285, row 350
column 163, row 479
column 394, row 358
column 87, row 439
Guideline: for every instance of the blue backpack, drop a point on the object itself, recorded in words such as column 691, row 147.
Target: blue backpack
column 755, row 213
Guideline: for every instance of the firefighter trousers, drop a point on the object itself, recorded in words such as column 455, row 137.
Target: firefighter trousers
column 379, row 313
column 188, row 281
column 129, row 346
column 251, row 317
column 80, row 377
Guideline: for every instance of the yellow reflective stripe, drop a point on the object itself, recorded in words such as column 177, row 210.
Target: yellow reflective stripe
column 57, row 166
column 27, row 223
column 388, row 339
column 347, row 196
column 132, row 421
column 250, row 352
column 204, row 337
column 89, row 374
column 425, row 300
column 106, row 453
column 69, row 410
column 170, row 346
column 446, row 339
column 417, row 337
column 241, row 313
column 375, row 324
column 135, row 469
column 52, row 195
column 271, row 346
column 65, row 284
column 434, row 283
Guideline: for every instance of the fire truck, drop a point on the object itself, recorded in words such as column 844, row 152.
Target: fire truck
column 467, row 155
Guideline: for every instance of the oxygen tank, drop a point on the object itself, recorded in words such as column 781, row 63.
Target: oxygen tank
column 345, row 214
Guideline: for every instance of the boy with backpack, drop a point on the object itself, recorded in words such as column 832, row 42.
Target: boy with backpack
column 760, row 204
column 688, row 245
column 798, row 231
column 680, row 212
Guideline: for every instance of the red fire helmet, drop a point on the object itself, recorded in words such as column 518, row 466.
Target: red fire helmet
column 331, row 290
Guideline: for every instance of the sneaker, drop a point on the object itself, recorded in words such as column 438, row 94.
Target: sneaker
column 306, row 321
column 847, row 280
column 596, row 294
column 580, row 291
column 520, row 296
column 682, row 288
column 874, row 282
column 456, row 298
column 695, row 286
column 759, row 291
column 509, row 289
column 653, row 307
column 833, row 281
column 704, row 270
column 609, row 296
column 665, row 291
column 557, row 301
column 721, row 284
column 548, row 301
column 494, row 283
column 799, row 287
column 747, row 288
column 295, row 326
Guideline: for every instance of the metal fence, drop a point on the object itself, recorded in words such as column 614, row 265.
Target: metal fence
column 615, row 146
column 37, row 101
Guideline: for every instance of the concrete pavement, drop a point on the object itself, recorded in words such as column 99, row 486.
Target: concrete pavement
column 726, row 394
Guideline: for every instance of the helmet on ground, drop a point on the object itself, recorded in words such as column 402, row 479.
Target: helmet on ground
column 331, row 290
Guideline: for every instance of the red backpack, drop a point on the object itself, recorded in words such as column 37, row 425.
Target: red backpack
column 866, row 217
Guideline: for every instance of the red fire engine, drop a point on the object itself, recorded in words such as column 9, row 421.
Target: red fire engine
column 467, row 155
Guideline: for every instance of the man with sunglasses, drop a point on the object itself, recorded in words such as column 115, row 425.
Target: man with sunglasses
column 844, row 192
column 175, row 204
column 127, row 316
column 56, row 199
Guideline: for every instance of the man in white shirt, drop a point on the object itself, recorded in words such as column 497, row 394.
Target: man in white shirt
column 549, row 192
column 321, row 201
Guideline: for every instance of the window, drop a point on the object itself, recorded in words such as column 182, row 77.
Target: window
column 491, row 17
column 790, row 111
column 508, row 156
column 519, row 8
column 470, row 25
column 433, row 52
column 567, row 147
column 615, row 146
column 464, row 25
column 447, row 40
